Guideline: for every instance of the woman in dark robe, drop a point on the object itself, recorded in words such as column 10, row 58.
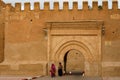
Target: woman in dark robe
column 60, row 71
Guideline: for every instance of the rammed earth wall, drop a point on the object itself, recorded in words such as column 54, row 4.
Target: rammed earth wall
column 23, row 42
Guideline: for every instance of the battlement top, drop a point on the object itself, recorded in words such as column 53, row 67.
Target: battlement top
column 41, row 3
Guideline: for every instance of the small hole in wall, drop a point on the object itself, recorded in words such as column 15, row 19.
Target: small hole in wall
column 113, row 32
column 31, row 20
column 76, row 53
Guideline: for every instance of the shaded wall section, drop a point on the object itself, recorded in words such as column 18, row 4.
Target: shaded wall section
column 1, row 42
column 2, row 26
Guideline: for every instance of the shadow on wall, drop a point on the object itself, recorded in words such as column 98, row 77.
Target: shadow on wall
column 1, row 42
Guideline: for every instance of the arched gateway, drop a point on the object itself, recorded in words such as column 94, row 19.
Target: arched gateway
column 84, row 37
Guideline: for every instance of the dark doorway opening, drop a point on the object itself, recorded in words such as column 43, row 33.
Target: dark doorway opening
column 65, row 61
column 74, row 62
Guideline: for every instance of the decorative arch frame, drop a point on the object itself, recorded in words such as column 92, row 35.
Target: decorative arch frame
column 77, row 45
column 64, row 36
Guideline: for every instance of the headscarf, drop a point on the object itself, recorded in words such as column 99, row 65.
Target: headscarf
column 53, row 67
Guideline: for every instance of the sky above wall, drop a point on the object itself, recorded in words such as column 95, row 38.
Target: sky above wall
column 8, row 1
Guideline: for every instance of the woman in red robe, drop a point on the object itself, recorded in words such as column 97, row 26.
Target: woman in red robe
column 53, row 70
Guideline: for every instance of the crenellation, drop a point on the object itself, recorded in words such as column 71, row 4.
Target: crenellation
column 2, row 3
column 81, row 4
column 18, row 7
column 27, row 6
column 46, row 6
column 37, row 6
column 12, row 9
column 115, row 5
column 65, row 6
column 85, row 5
column 95, row 4
column 105, row 5
column 8, row 7
column 57, row 6
column 75, row 5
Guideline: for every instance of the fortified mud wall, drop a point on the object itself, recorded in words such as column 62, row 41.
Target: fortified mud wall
column 23, row 42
